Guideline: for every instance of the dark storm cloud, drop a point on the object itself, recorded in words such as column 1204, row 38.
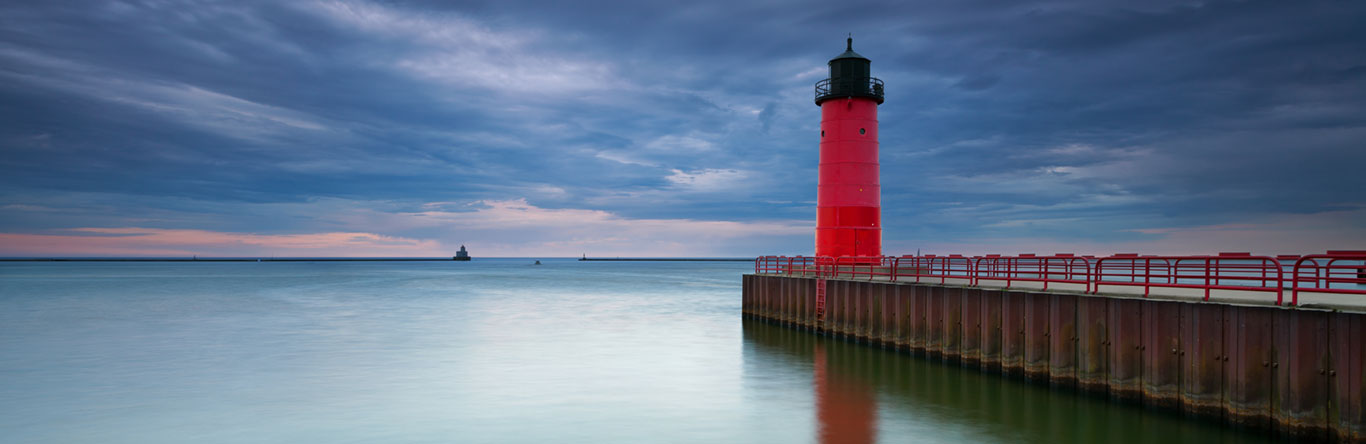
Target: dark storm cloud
column 1056, row 120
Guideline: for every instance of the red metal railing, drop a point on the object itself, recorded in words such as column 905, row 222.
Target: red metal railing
column 871, row 267
column 1320, row 272
column 768, row 265
column 1336, row 272
column 1056, row 269
column 795, row 265
column 930, row 268
column 1227, row 271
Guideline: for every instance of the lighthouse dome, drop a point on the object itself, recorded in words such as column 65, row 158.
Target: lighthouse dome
column 849, row 52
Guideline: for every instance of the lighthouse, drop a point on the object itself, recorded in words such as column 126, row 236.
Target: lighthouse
column 849, row 197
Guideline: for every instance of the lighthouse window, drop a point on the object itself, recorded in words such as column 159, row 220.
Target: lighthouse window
column 822, row 133
column 861, row 131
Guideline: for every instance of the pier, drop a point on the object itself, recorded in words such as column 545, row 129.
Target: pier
column 1274, row 343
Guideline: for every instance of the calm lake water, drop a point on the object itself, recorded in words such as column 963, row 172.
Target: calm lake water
column 493, row 350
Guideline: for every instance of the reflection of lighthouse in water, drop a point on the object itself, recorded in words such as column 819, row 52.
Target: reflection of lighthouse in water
column 849, row 196
column 845, row 406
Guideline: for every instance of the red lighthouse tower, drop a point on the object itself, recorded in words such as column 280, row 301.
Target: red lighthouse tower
column 849, row 197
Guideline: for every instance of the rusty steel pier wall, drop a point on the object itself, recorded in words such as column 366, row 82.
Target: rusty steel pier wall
column 1295, row 371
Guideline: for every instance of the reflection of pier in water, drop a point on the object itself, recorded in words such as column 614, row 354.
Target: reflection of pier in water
column 864, row 393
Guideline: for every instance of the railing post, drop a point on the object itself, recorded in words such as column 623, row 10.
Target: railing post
column 1280, row 282
column 1207, row 276
column 1010, row 271
column 1043, row 272
column 1147, row 275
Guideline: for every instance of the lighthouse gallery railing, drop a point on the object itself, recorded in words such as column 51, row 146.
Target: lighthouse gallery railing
column 849, row 87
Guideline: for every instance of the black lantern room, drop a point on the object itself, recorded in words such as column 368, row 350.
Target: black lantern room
column 850, row 76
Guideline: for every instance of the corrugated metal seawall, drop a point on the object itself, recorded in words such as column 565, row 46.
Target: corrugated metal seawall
column 1296, row 371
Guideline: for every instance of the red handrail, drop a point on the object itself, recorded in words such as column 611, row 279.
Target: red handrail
column 1338, row 272
column 806, row 265
column 798, row 265
column 871, row 267
column 931, row 267
column 1318, row 273
column 768, row 264
column 1227, row 271
column 1059, row 268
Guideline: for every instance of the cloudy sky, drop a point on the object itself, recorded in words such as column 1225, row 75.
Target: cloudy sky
column 363, row 128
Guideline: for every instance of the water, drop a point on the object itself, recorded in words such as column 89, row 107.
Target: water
column 484, row 351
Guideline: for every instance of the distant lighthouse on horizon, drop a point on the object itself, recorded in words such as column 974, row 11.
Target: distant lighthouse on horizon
column 849, row 195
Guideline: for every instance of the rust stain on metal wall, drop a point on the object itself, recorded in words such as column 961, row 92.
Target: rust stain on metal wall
column 858, row 317
column 1247, row 393
column 903, row 316
column 887, row 306
column 804, row 302
column 794, row 288
column 1012, row 332
column 867, row 317
column 1202, row 367
column 1063, row 340
column 755, row 293
column 764, row 296
column 1301, row 369
column 1093, row 357
column 745, row 293
column 1037, row 336
column 863, row 325
column 953, row 323
column 843, row 305
column 1126, row 349
column 991, row 330
column 970, row 348
column 844, row 292
column 784, row 293
column 879, row 311
column 770, row 296
column 920, row 324
column 849, row 315
column 867, row 322
column 1347, row 350
column 934, row 341
column 761, row 292
column 1161, row 354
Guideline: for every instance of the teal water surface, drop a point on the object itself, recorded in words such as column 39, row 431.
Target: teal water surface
column 494, row 350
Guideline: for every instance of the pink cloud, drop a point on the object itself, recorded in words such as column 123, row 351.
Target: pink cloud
column 518, row 228
column 167, row 242
column 490, row 228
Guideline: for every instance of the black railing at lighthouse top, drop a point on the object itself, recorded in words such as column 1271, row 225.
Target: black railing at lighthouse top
column 870, row 87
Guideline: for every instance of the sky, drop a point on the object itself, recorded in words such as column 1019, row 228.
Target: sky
column 545, row 128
